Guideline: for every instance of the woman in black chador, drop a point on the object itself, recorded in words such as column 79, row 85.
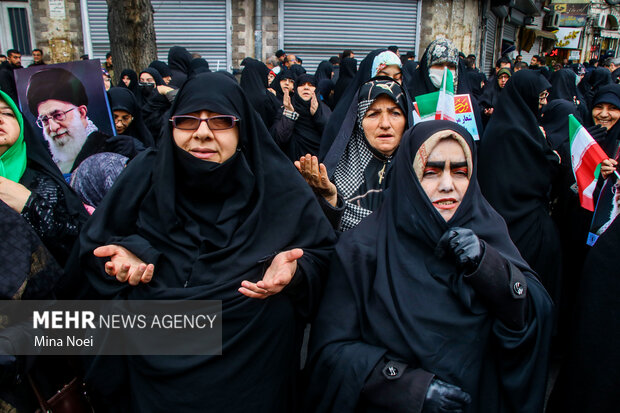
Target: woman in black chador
column 429, row 306
column 299, row 130
column 218, row 213
column 517, row 168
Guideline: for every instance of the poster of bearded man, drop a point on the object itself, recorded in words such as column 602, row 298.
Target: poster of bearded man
column 67, row 105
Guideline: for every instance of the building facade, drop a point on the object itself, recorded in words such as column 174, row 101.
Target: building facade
column 226, row 31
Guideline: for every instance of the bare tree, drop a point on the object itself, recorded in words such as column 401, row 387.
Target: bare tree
column 132, row 35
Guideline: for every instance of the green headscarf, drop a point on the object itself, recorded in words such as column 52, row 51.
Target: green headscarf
column 13, row 161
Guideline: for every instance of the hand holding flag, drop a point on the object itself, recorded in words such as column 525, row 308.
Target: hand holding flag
column 586, row 157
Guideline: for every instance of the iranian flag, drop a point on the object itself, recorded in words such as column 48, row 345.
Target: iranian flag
column 445, row 101
column 586, row 157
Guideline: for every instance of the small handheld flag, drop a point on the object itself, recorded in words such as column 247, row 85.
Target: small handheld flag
column 586, row 157
column 445, row 101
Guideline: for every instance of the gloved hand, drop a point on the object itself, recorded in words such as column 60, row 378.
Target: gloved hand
column 598, row 132
column 463, row 246
column 442, row 397
column 122, row 144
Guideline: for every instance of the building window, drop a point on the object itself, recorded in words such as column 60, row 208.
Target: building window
column 15, row 27
column 20, row 30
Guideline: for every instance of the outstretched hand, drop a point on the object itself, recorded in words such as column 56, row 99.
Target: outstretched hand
column 316, row 176
column 124, row 265
column 278, row 275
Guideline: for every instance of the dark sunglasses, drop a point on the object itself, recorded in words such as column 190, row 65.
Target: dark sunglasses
column 220, row 122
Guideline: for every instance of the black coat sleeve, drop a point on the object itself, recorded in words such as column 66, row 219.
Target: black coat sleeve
column 393, row 386
column 282, row 130
column 502, row 286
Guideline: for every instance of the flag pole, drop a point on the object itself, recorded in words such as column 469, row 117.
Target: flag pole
column 617, row 175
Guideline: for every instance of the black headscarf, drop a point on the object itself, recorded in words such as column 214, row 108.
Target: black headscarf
column 343, row 106
column 275, row 85
column 611, row 141
column 133, row 80
column 179, row 60
column 554, row 121
column 591, row 83
column 254, row 85
column 297, row 70
column 355, row 167
column 491, row 91
column 517, row 167
column 348, row 70
column 389, row 295
column 306, row 136
column 161, row 67
column 207, row 227
column 123, row 99
column 198, row 65
column 324, row 71
column 475, row 80
column 563, row 85
column 156, row 75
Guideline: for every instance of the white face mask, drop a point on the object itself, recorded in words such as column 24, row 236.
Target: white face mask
column 436, row 76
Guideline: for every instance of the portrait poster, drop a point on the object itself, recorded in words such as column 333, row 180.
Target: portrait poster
column 607, row 209
column 89, row 74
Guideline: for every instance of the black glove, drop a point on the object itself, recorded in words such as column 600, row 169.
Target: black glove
column 598, row 132
column 463, row 246
column 442, row 397
column 122, row 144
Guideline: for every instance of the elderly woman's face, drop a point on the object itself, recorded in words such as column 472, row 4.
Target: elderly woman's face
column 213, row 143
column 9, row 127
column 446, row 177
column 605, row 114
column 384, row 124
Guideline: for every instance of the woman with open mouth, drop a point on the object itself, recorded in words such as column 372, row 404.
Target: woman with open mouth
column 350, row 181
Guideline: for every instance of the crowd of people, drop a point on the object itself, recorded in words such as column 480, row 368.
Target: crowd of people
column 436, row 273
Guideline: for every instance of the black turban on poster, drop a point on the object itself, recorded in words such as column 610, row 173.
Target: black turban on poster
column 57, row 84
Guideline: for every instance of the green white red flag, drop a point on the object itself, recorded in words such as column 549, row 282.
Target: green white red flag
column 445, row 101
column 586, row 157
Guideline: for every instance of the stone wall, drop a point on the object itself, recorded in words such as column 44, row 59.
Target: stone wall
column 457, row 20
column 270, row 28
column 60, row 39
column 242, row 30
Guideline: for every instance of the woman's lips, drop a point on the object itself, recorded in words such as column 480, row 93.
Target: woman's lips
column 446, row 203
column 202, row 153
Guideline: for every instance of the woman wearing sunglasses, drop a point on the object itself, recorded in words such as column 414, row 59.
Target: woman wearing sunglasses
column 216, row 212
